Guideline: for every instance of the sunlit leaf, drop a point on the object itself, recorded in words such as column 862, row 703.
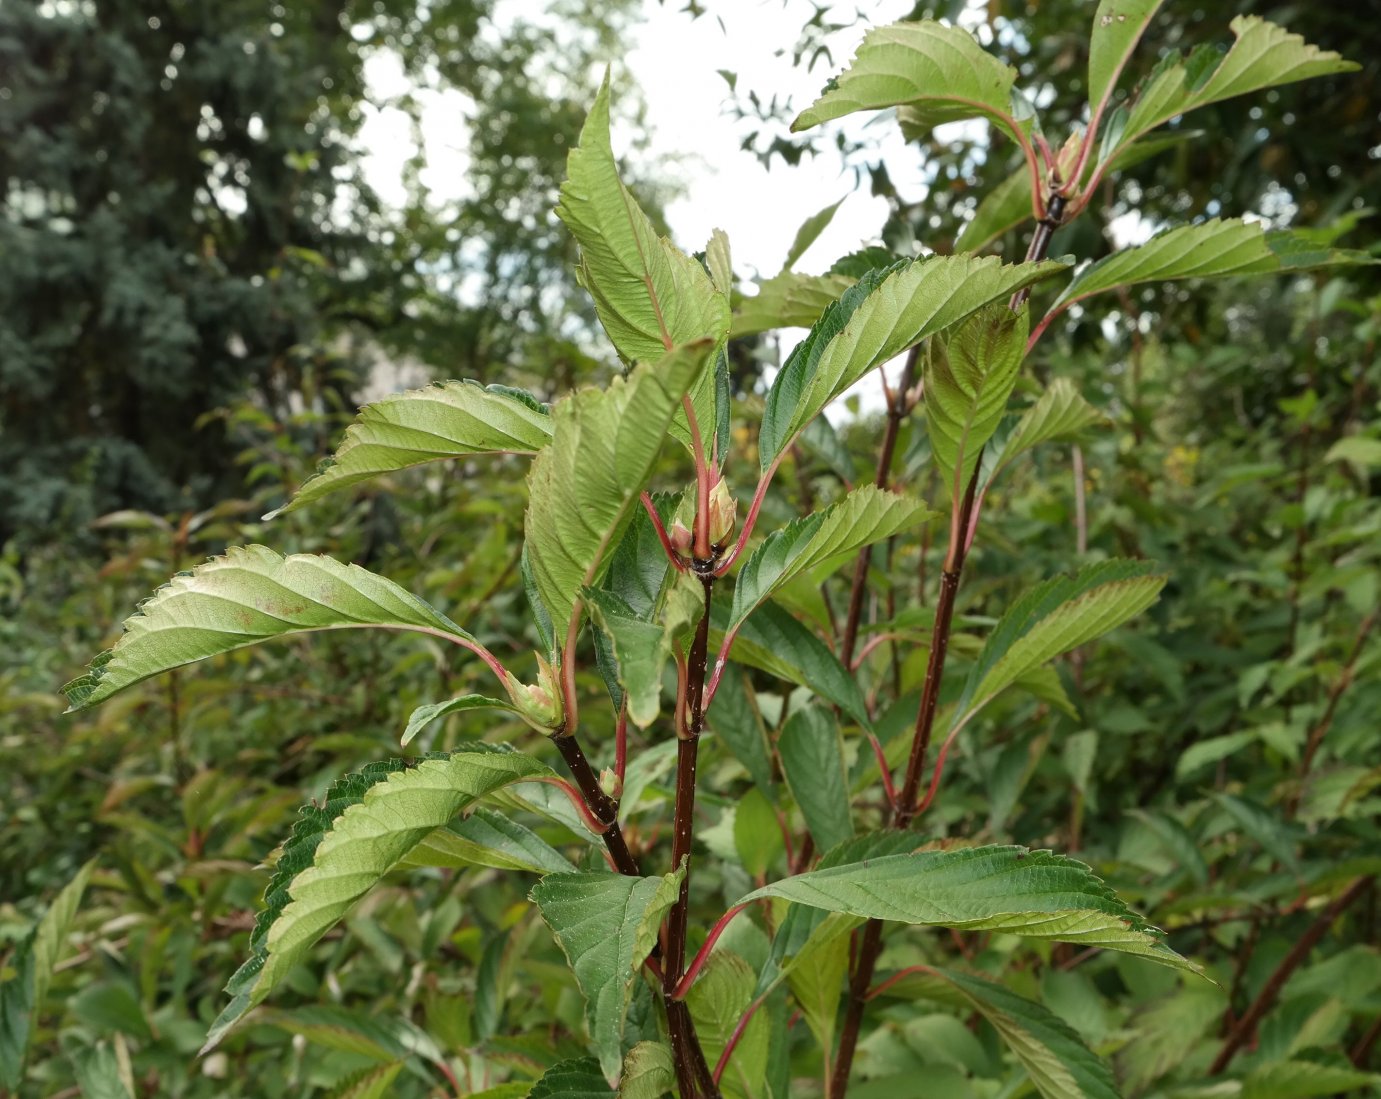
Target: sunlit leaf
column 447, row 420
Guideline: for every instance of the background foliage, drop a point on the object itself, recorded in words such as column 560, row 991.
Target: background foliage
column 163, row 267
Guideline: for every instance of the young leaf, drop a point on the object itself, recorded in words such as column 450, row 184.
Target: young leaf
column 789, row 300
column 1117, row 27
column 1263, row 56
column 809, row 233
column 812, row 756
column 1061, row 414
column 338, row 851
column 251, row 594
column 606, row 925
column 1036, row 894
column 939, row 73
column 968, row 379
column 882, row 315
column 1054, row 1056
column 1054, row 617
column 584, row 488
column 819, row 541
column 648, row 1072
column 487, row 838
column 650, row 296
column 771, row 639
column 577, row 1079
column 446, row 420
column 717, row 1001
column 642, row 648
column 425, row 715
column 1211, row 249
column 33, row 961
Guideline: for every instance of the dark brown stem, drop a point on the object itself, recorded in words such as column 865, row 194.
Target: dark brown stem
column 1265, row 1000
column 870, row 946
column 601, row 805
column 896, row 413
column 692, row 1072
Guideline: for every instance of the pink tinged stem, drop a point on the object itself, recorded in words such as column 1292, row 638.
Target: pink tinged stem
column 592, row 822
column 737, row 1035
column 885, row 769
column 752, row 518
column 901, row 975
column 572, row 711
column 621, row 744
column 662, row 536
column 939, row 770
column 703, row 954
column 702, row 483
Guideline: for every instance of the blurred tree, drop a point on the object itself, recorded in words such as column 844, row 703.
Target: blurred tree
column 187, row 222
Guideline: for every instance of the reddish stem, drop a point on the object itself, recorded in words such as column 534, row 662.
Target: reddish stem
column 727, row 561
column 703, row 954
column 672, row 555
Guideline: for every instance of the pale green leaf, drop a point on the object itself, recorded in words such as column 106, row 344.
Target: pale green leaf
column 1001, row 210
column 812, row 754
column 816, row 976
column 969, row 377
column 1305, row 1080
column 642, row 648
column 33, row 961
column 886, row 312
column 577, row 1079
column 100, row 1073
column 1035, row 894
column 1218, row 248
column 1263, row 56
column 251, row 594
column 606, row 924
column 446, row 420
column 1054, row 1056
column 939, row 73
column 584, row 487
column 1117, row 27
column 717, row 1001
column 425, row 715
column 1060, row 415
column 821, row 541
column 757, row 833
column 788, row 300
column 338, row 851
column 648, row 1072
column 1054, row 617
column 1355, row 448
column 809, row 233
column 650, row 296
column 487, row 838
column 719, row 262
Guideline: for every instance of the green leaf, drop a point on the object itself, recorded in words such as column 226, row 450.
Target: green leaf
column 1036, row 894
column 1117, row 27
column 1060, row 415
column 338, row 851
column 33, row 960
column 584, row 488
column 446, row 420
column 968, row 380
column 1304, row 1080
column 425, row 715
column 882, row 315
column 1054, row 1056
column 820, row 542
column 812, row 754
column 1001, row 210
column 735, row 719
column 1355, row 448
column 816, row 978
column 648, row 1072
column 100, row 1074
column 606, row 924
column 250, row 595
column 1184, row 849
column 809, row 233
column 939, row 73
column 1263, row 56
column 1218, row 248
column 487, row 838
column 719, row 263
column 650, row 296
column 757, row 835
column 642, row 648
column 1054, row 617
column 577, row 1079
column 369, row 1083
column 788, row 300
column 1268, row 829
column 717, row 1001
column 771, row 639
